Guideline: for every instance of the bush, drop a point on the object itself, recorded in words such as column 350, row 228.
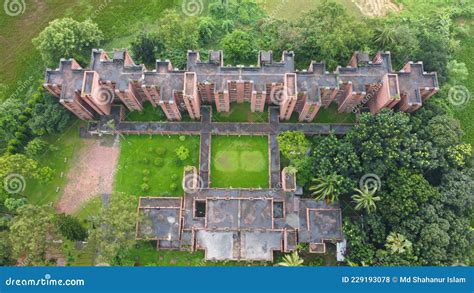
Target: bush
column 36, row 147
column 146, row 172
column 174, row 177
column 174, row 186
column 145, row 179
column 182, row 138
column 12, row 204
column 145, row 161
column 145, row 187
column 160, row 151
column 70, row 227
column 182, row 152
column 158, row 162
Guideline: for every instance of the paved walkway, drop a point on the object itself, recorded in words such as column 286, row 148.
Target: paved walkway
column 206, row 128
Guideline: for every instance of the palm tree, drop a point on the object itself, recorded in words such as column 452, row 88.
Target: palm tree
column 291, row 260
column 386, row 36
column 398, row 243
column 365, row 198
column 326, row 188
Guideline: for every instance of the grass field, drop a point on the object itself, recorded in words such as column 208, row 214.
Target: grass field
column 20, row 60
column 239, row 113
column 239, row 162
column 329, row 115
column 138, row 153
column 65, row 146
column 291, row 10
column 465, row 113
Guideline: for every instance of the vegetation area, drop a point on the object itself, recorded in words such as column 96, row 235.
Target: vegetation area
column 239, row 161
column 239, row 113
column 152, row 165
column 416, row 209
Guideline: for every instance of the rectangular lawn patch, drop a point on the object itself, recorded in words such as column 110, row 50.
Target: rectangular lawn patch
column 239, row 162
column 239, row 113
column 152, row 160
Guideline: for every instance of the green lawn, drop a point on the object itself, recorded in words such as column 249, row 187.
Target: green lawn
column 152, row 114
column 291, row 10
column 239, row 162
column 239, row 113
column 465, row 112
column 329, row 115
column 20, row 60
column 65, row 146
column 138, row 153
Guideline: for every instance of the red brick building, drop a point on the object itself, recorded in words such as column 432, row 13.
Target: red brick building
column 364, row 83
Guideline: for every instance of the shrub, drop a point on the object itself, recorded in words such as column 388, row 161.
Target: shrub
column 146, row 172
column 36, row 147
column 145, row 179
column 158, row 162
column 145, row 187
column 174, row 177
column 160, row 151
column 174, row 186
column 182, row 152
column 145, row 161
column 182, row 138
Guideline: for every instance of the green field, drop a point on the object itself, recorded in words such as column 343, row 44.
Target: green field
column 291, row 10
column 138, row 153
column 60, row 159
column 329, row 115
column 465, row 113
column 239, row 162
column 239, row 113
column 119, row 21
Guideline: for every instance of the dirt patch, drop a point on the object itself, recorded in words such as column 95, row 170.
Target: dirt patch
column 252, row 161
column 376, row 7
column 227, row 161
column 92, row 174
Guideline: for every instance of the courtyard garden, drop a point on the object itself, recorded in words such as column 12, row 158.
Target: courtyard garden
column 150, row 165
column 239, row 113
column 239, row 161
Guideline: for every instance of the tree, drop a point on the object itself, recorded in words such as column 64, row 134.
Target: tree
column 146, row 47
column 30, row 234
column 12, row 204
column 327, row 187
column 239, row 47
column 116, row 234
column 291, row 260
column 67, row 38
column 329, row 34
column 48, row 116
column 10, row 110
column 182, row 152
column 398, row 243
column 457, row 72
column 5, row 250
column 178, row 35
column 293, row 144
column 70, row 227
column 365, row 199
column 36, row 147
